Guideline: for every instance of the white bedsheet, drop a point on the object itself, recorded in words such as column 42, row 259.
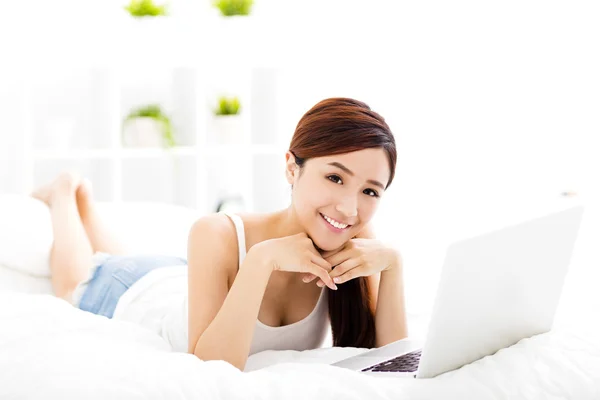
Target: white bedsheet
column 51, row 350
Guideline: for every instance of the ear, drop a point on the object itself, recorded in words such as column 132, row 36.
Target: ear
column 291, row 168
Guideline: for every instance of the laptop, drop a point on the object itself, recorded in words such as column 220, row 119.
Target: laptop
column 494, row 290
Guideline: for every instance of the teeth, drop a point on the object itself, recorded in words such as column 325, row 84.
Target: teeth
column 335, row 223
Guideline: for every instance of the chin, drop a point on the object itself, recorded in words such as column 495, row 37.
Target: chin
column 324, row 240
column 323, row 248
column 328, row 245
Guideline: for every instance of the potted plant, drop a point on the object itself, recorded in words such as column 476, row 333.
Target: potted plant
column 145, row 8
column 227, row 121
column 148, row 126
column 230, row 8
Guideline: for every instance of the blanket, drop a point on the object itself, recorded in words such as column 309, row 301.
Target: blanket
column 52, row 350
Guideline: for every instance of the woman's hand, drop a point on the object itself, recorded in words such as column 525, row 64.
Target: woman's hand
column 296, row 253
column 358, row 257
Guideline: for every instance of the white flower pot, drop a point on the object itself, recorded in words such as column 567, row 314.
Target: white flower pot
column 228, row 129
column 143, row 132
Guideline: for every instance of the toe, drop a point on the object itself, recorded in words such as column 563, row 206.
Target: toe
column 84, row 191
column 66, row 182
column 41, row 193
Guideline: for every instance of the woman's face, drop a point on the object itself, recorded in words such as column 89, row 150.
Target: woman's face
column 336, row 196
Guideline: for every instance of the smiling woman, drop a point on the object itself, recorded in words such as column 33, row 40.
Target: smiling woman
column 346, row 155
column 241, row 289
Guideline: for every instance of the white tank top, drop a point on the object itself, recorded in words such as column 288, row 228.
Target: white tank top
column 158, row 301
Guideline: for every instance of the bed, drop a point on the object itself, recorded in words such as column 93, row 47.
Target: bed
column 51, row 350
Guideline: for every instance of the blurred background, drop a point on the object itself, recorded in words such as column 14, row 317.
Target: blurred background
column 193, row 103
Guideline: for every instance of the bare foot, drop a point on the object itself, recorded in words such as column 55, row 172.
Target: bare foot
column 65, row 184
column 43, row 193
column 84, row 195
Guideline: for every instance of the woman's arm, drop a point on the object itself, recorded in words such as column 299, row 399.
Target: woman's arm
column 390, row 316
column 221, row 321
column 387, row 293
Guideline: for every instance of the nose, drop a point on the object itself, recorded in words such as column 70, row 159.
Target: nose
column 348, row 207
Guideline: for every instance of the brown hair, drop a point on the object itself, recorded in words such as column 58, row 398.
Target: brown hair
column 336, row 126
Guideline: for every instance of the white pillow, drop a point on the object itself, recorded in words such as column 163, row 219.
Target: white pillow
column 25, row 234
column 12, row 280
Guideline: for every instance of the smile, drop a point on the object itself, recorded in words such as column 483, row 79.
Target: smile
column 334, row 224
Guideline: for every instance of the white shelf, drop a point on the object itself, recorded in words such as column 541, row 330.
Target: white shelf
column 127, row 153
column 77, row 124
column 254, row 149
column 89, row 154
column 94, row 154
column 156, row 152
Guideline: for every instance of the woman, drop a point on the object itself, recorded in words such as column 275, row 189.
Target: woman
column 245, row 285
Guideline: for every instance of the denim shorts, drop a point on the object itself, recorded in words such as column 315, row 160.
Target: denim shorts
column 111, row 276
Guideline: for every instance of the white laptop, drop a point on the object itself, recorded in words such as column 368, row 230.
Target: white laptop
column 495, row 289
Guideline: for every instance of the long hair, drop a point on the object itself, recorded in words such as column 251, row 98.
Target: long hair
column 336, row 126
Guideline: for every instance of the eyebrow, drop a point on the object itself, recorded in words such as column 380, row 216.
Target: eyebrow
column 345, row 169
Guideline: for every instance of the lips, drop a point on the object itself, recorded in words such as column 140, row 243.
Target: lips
column 334, row 225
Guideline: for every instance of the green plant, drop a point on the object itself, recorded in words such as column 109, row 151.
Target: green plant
column 234, row 7
column 155, row 112
column 228, row 106
column 144, row 8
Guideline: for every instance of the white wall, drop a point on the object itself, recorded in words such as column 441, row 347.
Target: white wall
column 494, row 105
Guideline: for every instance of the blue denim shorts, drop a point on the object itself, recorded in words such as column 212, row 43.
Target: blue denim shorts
column 111, row 276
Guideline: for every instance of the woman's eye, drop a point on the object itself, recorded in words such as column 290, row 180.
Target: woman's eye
column 334, row 178
column 371, row 193
column 338, row 180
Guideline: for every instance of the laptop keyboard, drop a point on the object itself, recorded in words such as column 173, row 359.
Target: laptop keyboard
column 408, row 362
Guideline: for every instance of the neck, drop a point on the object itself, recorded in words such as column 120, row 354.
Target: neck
column 284, row 223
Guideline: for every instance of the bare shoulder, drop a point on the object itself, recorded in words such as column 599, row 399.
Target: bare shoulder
column 217, row 225
column 214, row 235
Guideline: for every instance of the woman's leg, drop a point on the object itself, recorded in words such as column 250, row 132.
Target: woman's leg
column 71, row 253
column 100, row 237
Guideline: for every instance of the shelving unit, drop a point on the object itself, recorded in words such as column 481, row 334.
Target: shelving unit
column 74, row 121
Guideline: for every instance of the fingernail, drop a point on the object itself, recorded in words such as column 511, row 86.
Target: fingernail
column 336, row 280
column 334, row 287
column 305, row 279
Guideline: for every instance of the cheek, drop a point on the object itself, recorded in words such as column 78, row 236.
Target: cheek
column 307, row 199
column 318, row 195
column 366, row 210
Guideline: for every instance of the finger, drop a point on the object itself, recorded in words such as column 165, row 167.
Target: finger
column 320, row 283
column 351, row 274
column 316, row 259
column 324, row 264
column 329, row 253
column 344, row 267
column 309, row 278
column 321, row 273
column 340, row 257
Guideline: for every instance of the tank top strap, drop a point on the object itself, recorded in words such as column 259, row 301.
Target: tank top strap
column 241, row 238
